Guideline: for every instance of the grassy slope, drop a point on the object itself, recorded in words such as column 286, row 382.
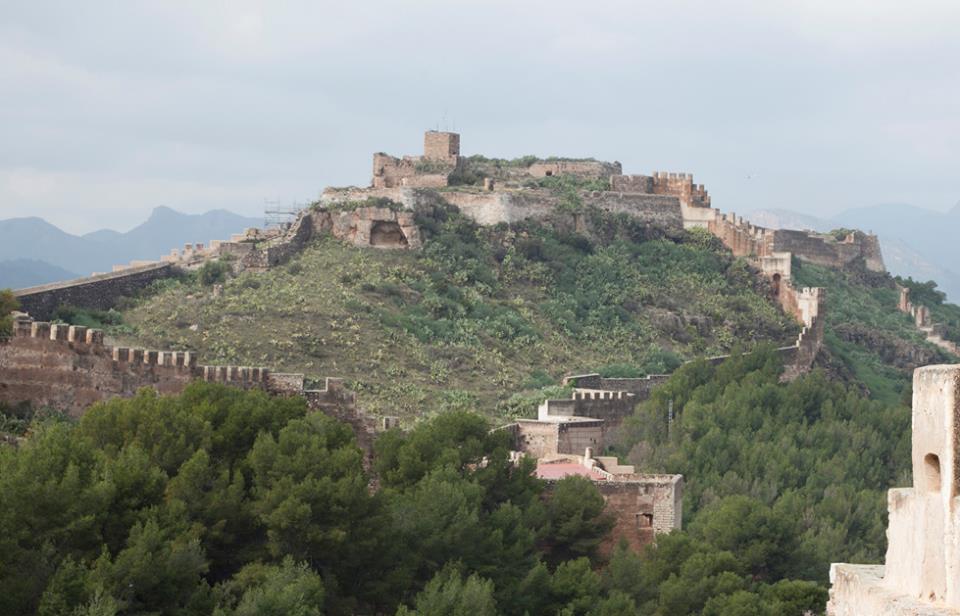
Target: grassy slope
column 480, row 315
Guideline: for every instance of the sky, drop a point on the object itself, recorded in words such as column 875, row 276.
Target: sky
column 109, row 109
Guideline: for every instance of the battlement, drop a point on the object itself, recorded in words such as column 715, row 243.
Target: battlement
column 69, row 367
column 693, row 197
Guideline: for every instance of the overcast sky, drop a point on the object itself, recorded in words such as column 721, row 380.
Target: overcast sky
column 108, row 109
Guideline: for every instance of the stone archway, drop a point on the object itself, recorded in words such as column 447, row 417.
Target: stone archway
column 387, row 234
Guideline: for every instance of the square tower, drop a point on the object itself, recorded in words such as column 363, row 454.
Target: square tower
column 923, row 554
column 439, row 145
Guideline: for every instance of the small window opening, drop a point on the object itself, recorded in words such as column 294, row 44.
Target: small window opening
column 931, row 468
column 645, row 520
column 549, row 173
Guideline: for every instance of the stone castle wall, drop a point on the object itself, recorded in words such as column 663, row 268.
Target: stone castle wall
column 610, row 406
column 69, row 367
column 824, row 250
column 583, row 169
column 641, row 507
column 100, row 292
column 543, row 438
column 255, row 250
column 921, row 318
column 510, row 206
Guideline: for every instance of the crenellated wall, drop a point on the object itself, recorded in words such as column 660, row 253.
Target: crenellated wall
column 69, row 367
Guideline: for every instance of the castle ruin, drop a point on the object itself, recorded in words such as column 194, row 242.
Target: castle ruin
column 381, row 216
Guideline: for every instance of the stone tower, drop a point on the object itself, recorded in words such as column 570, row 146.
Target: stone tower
column 443, row 146
column 922, row 571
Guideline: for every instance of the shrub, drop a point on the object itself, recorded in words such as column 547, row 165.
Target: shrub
column 213, row 272
column 8, row 303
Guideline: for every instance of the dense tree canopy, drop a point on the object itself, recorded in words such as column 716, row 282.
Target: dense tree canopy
column 220, row 501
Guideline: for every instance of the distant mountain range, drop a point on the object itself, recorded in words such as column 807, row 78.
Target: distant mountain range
column 916, row 242
column 33, row 251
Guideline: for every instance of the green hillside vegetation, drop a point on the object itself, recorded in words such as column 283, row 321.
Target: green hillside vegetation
column 815, row 454
column 873, row 343
column 480, row 314
column 221, row 501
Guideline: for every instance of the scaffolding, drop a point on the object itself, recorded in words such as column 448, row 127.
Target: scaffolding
column 276, row 215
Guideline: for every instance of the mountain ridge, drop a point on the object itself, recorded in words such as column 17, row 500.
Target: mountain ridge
column 31, row 240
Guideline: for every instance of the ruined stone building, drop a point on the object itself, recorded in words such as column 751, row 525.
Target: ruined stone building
column 641, row 505
column 564, row 436
column 921, row 576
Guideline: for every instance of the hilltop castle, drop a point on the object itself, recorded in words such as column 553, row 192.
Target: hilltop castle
column 494, row 191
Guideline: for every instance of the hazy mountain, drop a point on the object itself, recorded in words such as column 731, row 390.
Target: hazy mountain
column 26, row 241
column 19, row 273
column 915, row 242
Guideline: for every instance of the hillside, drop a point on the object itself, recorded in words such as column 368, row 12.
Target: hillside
column 34, row 239
column 481, row 314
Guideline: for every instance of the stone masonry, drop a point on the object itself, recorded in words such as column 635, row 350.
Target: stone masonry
column 922, row 572
column 69, row 367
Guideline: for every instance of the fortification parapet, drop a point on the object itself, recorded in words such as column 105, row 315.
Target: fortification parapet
column 922, row 572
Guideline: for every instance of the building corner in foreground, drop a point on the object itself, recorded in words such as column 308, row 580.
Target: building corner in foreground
column 921, row 576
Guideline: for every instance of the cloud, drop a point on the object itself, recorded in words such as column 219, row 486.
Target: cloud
column 109, row 109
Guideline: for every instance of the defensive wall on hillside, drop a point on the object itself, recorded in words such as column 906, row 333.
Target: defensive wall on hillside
column 69, row 367
column 666, row 201
column 921, row 576
column 100, row 292
column 514, row 205
column 921, row 318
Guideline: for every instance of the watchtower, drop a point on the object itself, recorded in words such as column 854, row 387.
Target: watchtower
column 438, row 145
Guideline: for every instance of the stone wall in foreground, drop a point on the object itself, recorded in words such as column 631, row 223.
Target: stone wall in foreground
column 69, row 367
column 922, row 571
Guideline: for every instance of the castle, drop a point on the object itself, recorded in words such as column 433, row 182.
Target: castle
column 922, row 572
column 490, row 191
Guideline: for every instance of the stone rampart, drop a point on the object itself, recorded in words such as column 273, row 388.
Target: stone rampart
column 68, row 367
column 511, row 206
column 100, row 292
column 584, row 169
column 742, row 238
column 921, row 318
column 825, row 250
